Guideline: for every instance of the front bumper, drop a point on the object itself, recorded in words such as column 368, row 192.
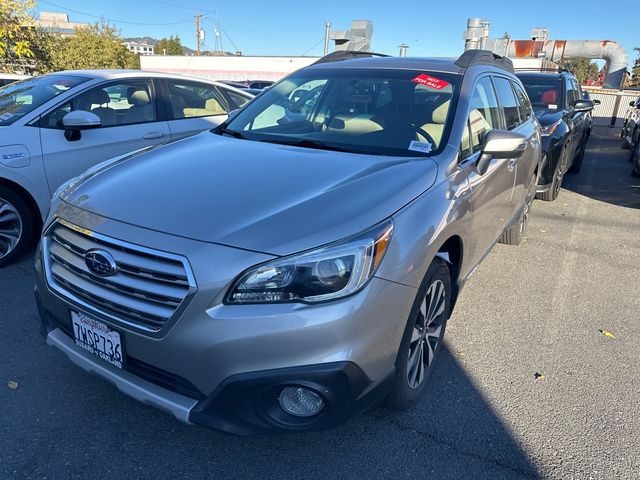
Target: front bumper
column 223, row 366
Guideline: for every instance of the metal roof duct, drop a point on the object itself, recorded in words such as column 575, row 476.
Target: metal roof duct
column 613, row 53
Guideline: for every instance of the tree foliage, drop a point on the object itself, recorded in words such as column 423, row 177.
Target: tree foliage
column 15, row 29
column 582, row 68
column 95, row 46
column 634, row 80
column 169, row 46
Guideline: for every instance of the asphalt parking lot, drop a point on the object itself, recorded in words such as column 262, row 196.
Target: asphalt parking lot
column 527, row 386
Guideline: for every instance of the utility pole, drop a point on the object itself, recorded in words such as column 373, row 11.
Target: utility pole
column 327, row 36
column 198, row 35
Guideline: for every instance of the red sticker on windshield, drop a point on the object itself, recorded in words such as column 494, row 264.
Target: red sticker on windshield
column 429, row 81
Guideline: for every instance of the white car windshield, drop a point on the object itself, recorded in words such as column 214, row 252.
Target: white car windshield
column 20, row 98
column 379, row 112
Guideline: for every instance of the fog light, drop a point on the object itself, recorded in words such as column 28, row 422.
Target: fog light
column 300, row 401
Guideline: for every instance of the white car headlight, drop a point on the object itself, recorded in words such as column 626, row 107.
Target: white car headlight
column 327, row 273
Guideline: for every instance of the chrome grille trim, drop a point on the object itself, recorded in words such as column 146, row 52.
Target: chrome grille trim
column 149, row 291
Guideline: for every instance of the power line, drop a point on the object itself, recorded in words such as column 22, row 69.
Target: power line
column 185, row 7
column 114, row 20
column 314, row 46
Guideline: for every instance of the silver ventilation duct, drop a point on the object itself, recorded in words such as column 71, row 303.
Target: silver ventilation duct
column 554, row 50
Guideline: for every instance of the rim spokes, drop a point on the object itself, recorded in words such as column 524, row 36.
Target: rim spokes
column 426, row 334
column 10, row 228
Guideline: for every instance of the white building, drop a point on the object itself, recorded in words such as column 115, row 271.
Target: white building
column 140, row 48
column 235, row 68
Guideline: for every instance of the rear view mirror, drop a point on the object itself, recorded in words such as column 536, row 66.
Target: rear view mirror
column 500, row 144
column 596, row 101
column 632, row 104
column 78, row 120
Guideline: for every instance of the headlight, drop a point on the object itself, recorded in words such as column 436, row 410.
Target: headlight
column 548, row 130
column 327, row 273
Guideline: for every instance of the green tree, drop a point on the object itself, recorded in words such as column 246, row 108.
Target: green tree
column 169, row 46
column 582, row 68
column 15, row 23
column 634, row 80
column 96, row 46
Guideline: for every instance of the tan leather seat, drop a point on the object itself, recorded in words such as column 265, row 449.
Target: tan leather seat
column 211, row 107
column 353, row 124
column 100, row 98
column 141, row 109
column 436, row 126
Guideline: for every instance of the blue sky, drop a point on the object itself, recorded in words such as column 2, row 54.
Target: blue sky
column 297, row 27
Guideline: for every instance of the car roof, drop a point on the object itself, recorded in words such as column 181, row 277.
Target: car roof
column 397, row 63
column 115, row 74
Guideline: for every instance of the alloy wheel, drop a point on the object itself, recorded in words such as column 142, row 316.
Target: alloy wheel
column 560, row 173
column 10, row 228
column 426, row 334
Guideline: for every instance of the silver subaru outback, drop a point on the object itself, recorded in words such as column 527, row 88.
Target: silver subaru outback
column 298, row 263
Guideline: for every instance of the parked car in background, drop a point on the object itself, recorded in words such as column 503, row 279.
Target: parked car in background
column 587, row 96
column 299, row 262
column 250, row 84
column 53, row 127
column 564, row 114
column 7, row 78
column 631, row 125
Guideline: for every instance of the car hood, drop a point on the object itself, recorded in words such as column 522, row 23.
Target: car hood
column 547, row 116
column 269, row 198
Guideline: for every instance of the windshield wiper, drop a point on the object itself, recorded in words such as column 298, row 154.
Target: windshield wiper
column 306, row 143
column 232, row 133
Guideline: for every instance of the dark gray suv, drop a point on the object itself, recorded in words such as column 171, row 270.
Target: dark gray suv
column 300, row 262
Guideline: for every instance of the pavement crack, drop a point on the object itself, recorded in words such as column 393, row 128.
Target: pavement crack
column 457, row 449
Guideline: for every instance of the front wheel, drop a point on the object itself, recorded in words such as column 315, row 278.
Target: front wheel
column 16, row 225
column 422, row 338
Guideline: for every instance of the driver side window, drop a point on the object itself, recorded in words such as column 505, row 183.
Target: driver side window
column 483, row 117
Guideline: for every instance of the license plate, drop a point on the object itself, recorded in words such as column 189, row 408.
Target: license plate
column 97, row 338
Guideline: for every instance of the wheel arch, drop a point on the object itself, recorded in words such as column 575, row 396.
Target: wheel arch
column 28, row 198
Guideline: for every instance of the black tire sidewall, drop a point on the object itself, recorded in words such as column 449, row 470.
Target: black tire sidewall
column 25, row 217
column 402, row 396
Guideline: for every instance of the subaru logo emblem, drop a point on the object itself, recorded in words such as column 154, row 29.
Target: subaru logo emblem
column 100, row 263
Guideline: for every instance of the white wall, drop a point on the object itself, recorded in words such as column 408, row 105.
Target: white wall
column 226, row 68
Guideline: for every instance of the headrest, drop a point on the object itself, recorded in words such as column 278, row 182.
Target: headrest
column 550, row 97
column 440, row 113
column 137, row 96
column 99, row 97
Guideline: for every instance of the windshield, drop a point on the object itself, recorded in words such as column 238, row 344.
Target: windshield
column 543, row 92
column 18, row 99
column 379, row 112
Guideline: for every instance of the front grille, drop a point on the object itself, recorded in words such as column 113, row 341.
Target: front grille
column 146, row 292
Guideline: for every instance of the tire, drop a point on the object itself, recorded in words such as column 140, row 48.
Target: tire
column 514, row 234
column 16, row 225
column 551, row 194
column 420, row 347
column 576, row 166
column 635, row 160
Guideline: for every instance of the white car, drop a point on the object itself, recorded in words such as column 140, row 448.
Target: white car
column 7, row 78
column 54, row 127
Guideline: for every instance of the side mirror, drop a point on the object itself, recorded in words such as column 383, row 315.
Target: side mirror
column 596, row 101
column 500, row 144
column 583, row 106
column 632, row 104
column 232, row 114
column 78, row 120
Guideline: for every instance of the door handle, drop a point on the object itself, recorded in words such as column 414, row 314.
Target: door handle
column 511, row 164
column 153, row 135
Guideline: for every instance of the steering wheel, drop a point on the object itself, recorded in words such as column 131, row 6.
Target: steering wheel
column 421, row 131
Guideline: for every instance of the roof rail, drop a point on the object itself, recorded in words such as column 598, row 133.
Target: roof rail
column 341, row 55
column 483, row 57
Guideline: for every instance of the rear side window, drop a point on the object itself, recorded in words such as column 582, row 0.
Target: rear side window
column 523, row 102
column 190, row 99
column 508, row 103
column 238, row 101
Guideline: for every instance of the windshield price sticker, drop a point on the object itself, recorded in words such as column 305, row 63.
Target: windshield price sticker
column 429, row 81
column 424, row 147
